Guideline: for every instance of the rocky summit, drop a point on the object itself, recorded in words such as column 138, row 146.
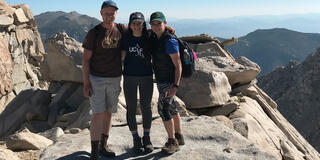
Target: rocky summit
column 44, row 115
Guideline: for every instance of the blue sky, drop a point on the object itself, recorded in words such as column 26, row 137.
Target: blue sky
column 179, row 9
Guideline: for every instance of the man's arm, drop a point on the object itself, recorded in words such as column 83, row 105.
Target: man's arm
column 87, row 90
column 177, row 76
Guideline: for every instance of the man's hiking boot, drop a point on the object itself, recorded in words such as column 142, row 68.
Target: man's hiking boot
column 137, row 145
column 180, row 138
column 147, row 145
column 94, row 150
column 104, row 149
column 171, row 146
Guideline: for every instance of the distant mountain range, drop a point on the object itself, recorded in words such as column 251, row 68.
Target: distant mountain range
column 240, row 26
column 73, row 23
column 269, row 48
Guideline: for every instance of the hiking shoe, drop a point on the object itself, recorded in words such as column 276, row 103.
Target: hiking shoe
column 147, row 145
column 137, row 145
column 107, row 152
column 180, row 138
column 104, row 149
column 171, row 146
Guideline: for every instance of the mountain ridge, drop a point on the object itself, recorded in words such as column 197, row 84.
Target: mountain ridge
column 275, row 47
column 73, row 23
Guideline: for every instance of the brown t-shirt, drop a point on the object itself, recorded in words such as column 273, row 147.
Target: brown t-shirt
column 106, row 52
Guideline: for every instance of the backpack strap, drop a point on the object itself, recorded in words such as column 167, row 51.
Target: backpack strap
column 120, row 28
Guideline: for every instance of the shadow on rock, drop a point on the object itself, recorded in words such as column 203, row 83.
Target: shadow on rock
column 156, row 154
column 81, row 155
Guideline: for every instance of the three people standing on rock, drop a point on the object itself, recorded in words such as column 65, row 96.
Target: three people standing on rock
column 102, row 69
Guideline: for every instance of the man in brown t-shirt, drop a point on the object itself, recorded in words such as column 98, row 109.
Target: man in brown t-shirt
column 102, row 69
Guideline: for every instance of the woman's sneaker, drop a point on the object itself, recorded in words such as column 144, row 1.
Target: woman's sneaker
column 180, row 138
column 171, row 146
column 137, row 145
column 147, row 145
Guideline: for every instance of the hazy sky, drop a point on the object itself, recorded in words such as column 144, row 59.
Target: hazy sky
column 181, row 9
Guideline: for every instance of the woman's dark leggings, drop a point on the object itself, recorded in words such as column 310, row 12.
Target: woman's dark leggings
column 130, row 86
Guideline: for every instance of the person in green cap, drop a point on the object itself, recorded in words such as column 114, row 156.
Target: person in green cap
column 167, row 68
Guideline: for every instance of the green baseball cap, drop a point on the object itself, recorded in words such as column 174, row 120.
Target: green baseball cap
column 157, row 16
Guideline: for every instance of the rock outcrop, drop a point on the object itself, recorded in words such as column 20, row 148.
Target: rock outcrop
column 21, row 52
column 239, row 72
column 64, row 59
column 205, row 137
column 242, row 123
column 295, row 88
column 28, row 105
column 205, row 89
column 25, row 140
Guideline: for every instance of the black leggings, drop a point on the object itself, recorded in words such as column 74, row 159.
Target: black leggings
column 130, row 86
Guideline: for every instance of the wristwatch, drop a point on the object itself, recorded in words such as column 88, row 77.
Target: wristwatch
column 176, row 86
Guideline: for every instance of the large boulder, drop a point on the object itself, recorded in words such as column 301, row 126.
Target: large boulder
column 67, row 99
column 264, row 126
column 25, row 140
column 211, row 49
column 26, row 9
column 28, row 105
column 20, row 17
column 239, row 71
column 64, row 59
column 204, row 89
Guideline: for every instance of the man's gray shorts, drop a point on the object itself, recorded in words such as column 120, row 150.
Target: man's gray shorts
column 105, row 96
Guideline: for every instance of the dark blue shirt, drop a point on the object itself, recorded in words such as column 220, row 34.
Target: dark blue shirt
column 135, row 63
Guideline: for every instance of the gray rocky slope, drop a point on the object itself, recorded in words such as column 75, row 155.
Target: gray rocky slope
column 241, row 122
column 296, row 89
